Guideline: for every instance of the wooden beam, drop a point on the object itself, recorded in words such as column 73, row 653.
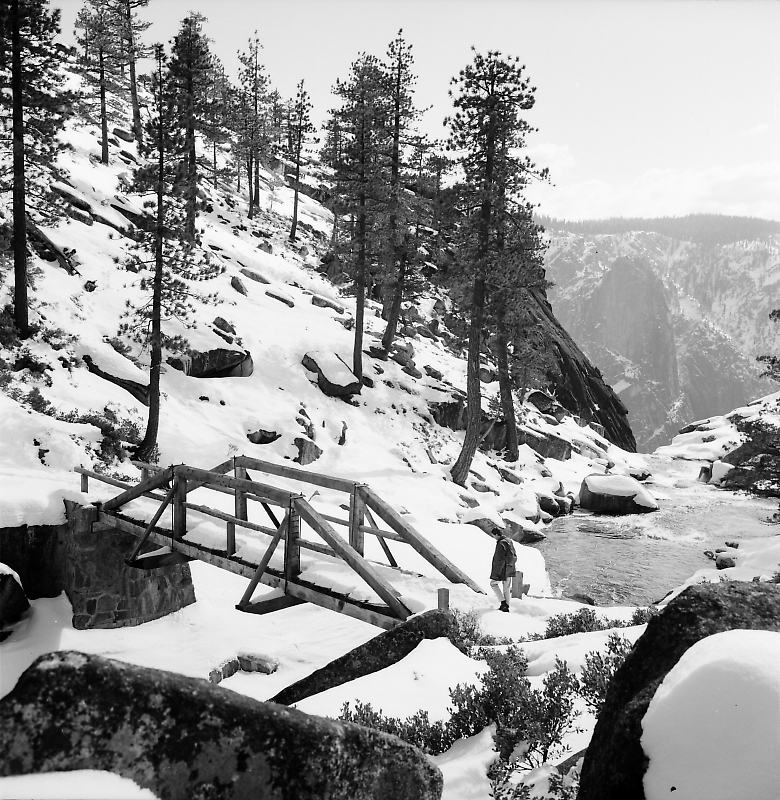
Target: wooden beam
column 264, row 561
column 417, row 540
column 318, row 479
column 180, row 507
column 343, row 606
column 353, row 558
column 292, row 544
column 113, row 482
column 270, row 494
column 154, row 482
column 155, row 519
column 385, row 547
column 357, row 513
column 317, row 547
column 271, row 604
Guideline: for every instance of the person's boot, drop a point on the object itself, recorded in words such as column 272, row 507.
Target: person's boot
column 504, row 606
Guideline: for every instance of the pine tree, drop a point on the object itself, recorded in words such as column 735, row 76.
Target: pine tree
column 102, row 39
column 219, row 111
column 301, row 128
column 253, row 85
column 398, row 214
column 359, row 183
column 489, row 94
column 37, row 107
column 174, row 256
column 131, row 28
column 188, row 75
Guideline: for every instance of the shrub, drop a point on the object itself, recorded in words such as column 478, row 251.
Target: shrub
column 586, row 621
column 467, row 635
column 9, row 335
column 599, row 669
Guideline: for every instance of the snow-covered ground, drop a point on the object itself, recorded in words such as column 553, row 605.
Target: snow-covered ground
column 391, row 443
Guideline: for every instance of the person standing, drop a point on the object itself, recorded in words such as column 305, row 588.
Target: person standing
column 503, row 567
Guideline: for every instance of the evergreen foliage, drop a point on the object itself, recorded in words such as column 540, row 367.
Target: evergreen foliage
column 37, row 107
column 189, row 69
column 301, row 128
column 488, row 132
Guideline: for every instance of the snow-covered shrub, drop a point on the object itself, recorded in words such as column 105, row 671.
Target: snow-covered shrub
column 586, row 621
column 599, row 669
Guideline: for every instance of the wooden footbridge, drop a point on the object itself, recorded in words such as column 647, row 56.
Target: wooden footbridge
column 367, row 512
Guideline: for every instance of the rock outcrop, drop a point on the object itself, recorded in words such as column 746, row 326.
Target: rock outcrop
column 380, row 652
column 615, row 763
column 334, row 377
column 185, row 738
column 13, row 600
column 217, row 363
column 615, row 494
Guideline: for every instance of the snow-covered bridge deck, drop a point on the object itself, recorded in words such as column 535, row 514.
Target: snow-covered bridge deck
column 329, row 570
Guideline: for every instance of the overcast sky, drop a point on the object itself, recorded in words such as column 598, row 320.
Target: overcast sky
column 644, row 107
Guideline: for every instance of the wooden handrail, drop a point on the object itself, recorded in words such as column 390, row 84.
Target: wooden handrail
column 353, row 558
column 283, row 471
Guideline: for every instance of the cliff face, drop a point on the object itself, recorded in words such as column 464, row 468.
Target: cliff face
column 579, row 386
column 674, row 327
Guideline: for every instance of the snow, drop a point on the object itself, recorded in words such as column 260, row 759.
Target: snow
column 390, row 445
column 86, row 784
column 464, row 767
column 427, row 674
column 712, row 728
column 621, row 486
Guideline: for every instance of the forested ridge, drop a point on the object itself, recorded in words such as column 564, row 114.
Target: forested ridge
column 708, row 229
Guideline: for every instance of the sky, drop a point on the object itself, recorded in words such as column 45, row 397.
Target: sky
column 643, row 107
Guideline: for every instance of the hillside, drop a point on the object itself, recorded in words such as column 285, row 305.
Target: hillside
column 674, row 325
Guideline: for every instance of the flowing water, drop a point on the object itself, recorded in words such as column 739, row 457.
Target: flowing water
column 637, row 558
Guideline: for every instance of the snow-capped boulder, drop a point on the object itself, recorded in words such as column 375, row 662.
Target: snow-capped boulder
column 123, row 134
column 324, row 302
column 615, row 494
column 217, row 363
column 254, row 275
column 13, row 600
column 238, row 285
column 615, row 764
column 334, row 377
column 71, row 711
column 713, row 726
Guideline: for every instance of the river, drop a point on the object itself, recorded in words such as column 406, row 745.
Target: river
column 637, row 558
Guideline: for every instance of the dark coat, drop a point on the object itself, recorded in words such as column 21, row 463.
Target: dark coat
column 504, row 560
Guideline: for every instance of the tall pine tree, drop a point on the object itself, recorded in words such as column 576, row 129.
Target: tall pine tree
column 188, row 75
column 37, row 107
column 488, row 96
column 301, row 128
column 360, row 187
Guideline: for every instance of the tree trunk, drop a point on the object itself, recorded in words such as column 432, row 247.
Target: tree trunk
column 360, row 297
column 192, row 167
column 103, row 116
column 294, row 227
column 249, row 167
column 214, row 162
column 394, row 313
column 460, row 468
column 256, row 199
column 137, row 126
column 146, row 448
column 21, row 317
column 507, row 398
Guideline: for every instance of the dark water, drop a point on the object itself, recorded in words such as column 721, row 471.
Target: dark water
column 637, row 559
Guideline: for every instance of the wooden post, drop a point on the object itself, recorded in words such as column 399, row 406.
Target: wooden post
column 144, row 475
column 84, row 483
column 180, row 509
column 230, row 549
column 292, row 545
column 357, row 513
column 444, row 599
column 519, row 588
column 241, row 502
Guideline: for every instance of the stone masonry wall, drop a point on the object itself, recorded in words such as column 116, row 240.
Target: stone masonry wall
column 88, row 565
column 105, row 592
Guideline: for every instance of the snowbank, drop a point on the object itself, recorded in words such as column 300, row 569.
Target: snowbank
column 713, row 726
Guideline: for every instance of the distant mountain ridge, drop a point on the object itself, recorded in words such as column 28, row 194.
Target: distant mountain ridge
column 674, row 325
column 709, row 229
